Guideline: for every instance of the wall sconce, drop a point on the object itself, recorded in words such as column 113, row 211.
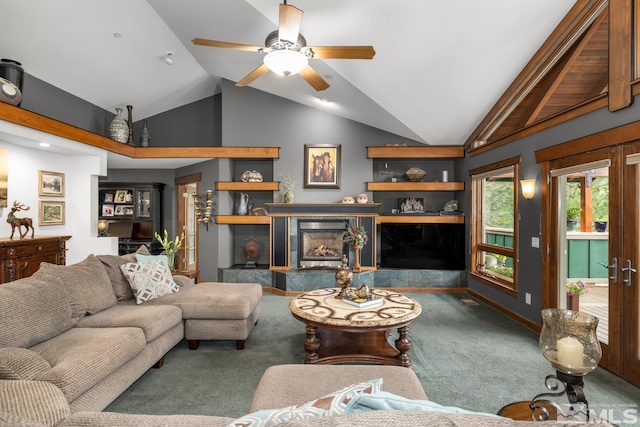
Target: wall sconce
column 528, row 188
column 103, row 228
column 203, row 206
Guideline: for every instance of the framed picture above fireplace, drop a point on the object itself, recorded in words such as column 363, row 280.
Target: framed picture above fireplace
column 322, row 166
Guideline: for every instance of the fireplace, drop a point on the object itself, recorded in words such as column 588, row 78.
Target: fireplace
column 320, row 243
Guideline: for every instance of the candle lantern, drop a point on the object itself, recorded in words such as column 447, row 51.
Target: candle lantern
column 103, row 228
column 568, row 340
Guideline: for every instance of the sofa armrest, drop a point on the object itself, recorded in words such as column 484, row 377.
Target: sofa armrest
column 21, row 364
column 182, row 281
column 35, row 401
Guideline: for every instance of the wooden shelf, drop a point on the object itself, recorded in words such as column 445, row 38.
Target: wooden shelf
column 426, row 152
column 415, row 186
column 247, row 186
column 421, row 219
column 242, row 219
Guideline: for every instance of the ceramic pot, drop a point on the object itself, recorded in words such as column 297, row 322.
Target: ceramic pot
column 362, row 198
column 289, row 197
column 144, row 138
column 348, row 200
column 119, row 130
column 244, row 204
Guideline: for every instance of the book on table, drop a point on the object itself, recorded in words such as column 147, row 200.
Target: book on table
column 363, row 302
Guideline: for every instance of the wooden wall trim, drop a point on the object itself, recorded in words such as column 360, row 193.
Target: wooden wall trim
column 183, row 180
column 620, row 54
column 607, row 138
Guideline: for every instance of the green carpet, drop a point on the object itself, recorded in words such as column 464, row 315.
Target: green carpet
column 469, row 356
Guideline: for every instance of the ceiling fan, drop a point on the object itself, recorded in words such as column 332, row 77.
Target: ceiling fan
column 287, row 52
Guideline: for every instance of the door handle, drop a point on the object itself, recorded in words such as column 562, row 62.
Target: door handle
column 614, row 269
column 627, row 273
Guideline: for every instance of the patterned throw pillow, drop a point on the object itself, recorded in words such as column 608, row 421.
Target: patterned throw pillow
column 149, row 280
column 331, row 404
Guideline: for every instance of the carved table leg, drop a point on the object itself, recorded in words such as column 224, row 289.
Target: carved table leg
column 403, row 345
column 311, row 344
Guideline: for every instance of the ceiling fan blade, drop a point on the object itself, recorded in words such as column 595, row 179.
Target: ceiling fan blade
column 253, row 75
column 342, row 52
column 290, row 21
column 228, row 45
column 314, row 79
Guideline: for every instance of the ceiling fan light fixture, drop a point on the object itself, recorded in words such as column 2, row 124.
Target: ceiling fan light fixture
column 286, row 62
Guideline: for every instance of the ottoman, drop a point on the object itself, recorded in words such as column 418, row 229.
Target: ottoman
column 217, row 311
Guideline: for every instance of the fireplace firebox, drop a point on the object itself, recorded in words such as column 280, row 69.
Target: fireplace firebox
column 320, row 243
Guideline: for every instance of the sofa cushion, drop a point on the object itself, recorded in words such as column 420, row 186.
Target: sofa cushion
column 21, row 364
column 33, row 310
column 33, row 402
column 82, row 357
column 213, row 300
column 153, row 320
column 87, row 284
column 330, row 404
column 112, row 264
column 149, row 280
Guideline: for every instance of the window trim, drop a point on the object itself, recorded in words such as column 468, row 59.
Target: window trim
column 477, row 246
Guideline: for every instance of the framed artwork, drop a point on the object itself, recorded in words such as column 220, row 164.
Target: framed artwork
column 121, row 196
column 50, row 184
column 51, row 213
column 107, row 210
column 322, row 166
column 411, row 205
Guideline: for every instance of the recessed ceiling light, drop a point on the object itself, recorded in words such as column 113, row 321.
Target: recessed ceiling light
column 44, row 144
column 117, row 35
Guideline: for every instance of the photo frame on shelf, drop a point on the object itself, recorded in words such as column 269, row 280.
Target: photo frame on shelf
column 121, row 196
column 322, row 166
column 50, row 184
column 108, row 197
column 123, row 210
column 411, row 205
column 51, row 212
column 107, row 210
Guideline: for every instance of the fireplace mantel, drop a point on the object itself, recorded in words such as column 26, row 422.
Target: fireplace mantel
column 320, row 209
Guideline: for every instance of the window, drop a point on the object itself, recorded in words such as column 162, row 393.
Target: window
column 494, row 238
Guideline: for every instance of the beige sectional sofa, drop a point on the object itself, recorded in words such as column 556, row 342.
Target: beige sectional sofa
column 79, row 329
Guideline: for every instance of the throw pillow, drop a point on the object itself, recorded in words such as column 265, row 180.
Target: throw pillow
column 112, row 264
column 330, row 404
column 87, row 284
column 149, row 280
column 162, row 258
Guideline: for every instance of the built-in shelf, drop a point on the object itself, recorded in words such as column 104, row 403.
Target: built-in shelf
column 406, row 152
column 242, row 219
column 247, row 186
column 421, row 219
column 415, row 186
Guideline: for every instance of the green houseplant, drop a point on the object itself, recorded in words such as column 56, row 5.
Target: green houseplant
column 573, row 218
column 574, row 291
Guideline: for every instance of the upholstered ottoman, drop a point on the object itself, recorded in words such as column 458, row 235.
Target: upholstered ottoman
column 217, row 311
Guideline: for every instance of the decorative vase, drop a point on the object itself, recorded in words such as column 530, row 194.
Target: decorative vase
column 144, row 138
column 130, row 124
column 289, row 197
column 243, row 207
column 171, row 260
column 119, row 130
column 600, row 226
column 573, row 301
column 356, row 258
column 12, row 71
column 344, row 278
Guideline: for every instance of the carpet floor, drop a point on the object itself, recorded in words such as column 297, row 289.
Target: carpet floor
column 466, row 355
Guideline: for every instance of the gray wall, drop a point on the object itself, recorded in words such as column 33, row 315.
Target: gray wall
column 529, row 273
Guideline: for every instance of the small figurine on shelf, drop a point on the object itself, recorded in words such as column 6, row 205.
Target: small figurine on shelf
column 16, row 222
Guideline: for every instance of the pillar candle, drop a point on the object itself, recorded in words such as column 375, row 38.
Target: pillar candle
column 445, row 176
column 570, row 352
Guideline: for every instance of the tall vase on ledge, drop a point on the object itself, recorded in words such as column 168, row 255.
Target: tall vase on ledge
column 356, row 258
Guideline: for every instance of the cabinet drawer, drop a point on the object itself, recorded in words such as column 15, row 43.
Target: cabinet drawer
column 32, row 249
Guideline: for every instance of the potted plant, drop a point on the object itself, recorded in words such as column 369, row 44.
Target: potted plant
column 573, row 218
column 357, row 238
column 601, row 223
column 574, row 291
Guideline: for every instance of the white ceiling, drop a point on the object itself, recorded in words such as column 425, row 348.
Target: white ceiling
column 439, row 65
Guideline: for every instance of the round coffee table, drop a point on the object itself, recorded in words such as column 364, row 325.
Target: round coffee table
column 340, row 333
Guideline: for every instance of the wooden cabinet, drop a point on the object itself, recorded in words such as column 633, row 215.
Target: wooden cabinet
column 133, row 212
column 390, row 184
column 21, row 258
